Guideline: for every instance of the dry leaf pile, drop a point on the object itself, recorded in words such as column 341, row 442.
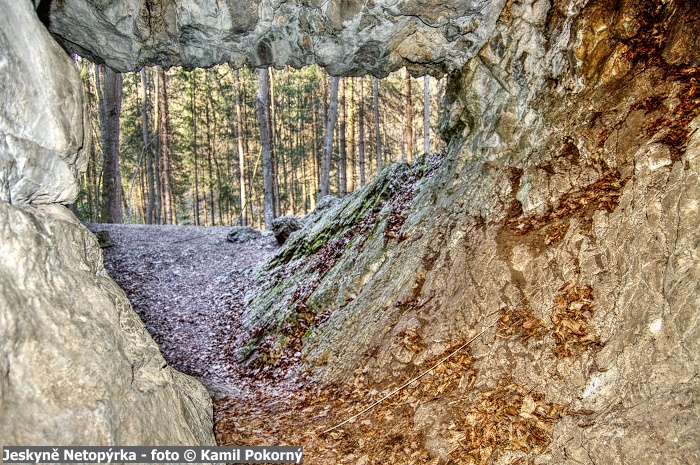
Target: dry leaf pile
column 572, row 333
column 519, row 324
column 509, row 417
column 551, row 227
column 386, row 433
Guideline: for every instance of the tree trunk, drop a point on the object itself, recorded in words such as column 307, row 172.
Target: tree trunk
column 409, row 120
column 378, row 134
column 351, row 137
column 241, row 153
column 285, row 169
column 164, row 148
column 195, row 161
column 361, row 146
column 210, row 150
column 341, row 140
column 146, row 143
column 314, row 153
column 426, row 113
column 110, row 111
column 261, row 105
column 274, row 155
column 324, row 188
column 158, row 218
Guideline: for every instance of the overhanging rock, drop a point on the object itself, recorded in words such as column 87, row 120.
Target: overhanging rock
column 347, row 37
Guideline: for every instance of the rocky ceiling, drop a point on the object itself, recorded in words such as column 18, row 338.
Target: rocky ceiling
column 347, row 37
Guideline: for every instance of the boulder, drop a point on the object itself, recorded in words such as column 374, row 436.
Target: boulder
column 43, row 136
column 240, row 234
column 284, row 226
column 77, row 366
column 104, row 239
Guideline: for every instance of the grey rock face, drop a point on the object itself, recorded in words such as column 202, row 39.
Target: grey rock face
column 284, row 226
column 346, row 37
column 43, row 141
column 569, row 193
column 240, row 234
column 77, row 365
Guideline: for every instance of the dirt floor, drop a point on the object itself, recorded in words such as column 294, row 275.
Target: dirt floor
column 188, row 285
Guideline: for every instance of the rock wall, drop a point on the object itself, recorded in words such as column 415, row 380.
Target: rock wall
column 345, row 36
column 77, row 366
column 43, row 141
column 562, row 222
column 560, row 227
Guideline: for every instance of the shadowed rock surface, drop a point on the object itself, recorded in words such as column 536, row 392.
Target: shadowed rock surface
column 346, row 37
column 284, row 226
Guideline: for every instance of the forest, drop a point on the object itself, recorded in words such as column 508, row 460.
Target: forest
column 221, row 147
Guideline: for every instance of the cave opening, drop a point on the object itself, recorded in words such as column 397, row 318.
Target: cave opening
column 528, row 294
column 213, row 147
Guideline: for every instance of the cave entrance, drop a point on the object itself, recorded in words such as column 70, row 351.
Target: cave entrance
column 185, row 280
column 186, row 148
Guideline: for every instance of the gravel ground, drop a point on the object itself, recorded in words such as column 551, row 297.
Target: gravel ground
column 187, row 283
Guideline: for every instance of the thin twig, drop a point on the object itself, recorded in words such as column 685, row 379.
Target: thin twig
column 408, row 383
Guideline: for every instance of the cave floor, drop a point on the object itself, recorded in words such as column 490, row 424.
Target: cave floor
column 187, row 284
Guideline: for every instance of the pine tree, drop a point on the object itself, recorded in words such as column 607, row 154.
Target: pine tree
column 426, row 113
column 409, row 120
column 241, row 153
column 168, row 212
column 324, row 188
column 262, row 105
column 377, row 132
column 351, row 136
column 110, row 107
column 361, row 144
column 147, row 148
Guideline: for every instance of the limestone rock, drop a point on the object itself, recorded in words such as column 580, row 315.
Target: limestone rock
column 322, row 206
column 346, row 37
column 568, row 199
column 240, row 234
column 284, row 226
column 104, row 239
column 43, row 138
column 77, row 365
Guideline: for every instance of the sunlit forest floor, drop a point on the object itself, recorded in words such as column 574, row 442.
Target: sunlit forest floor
column 188, row 283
